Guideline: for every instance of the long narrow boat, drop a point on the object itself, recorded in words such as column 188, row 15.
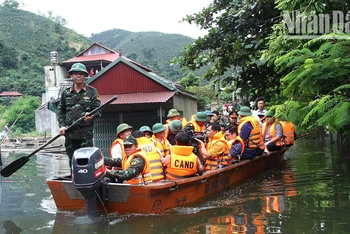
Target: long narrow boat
column 158, row 197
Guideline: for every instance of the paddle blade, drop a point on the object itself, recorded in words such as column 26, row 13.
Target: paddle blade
column 14, row 166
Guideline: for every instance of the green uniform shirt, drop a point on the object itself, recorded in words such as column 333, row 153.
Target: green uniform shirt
column 136, row 167
column 74, row 105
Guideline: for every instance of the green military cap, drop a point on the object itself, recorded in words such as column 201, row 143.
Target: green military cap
column 78, row 67
column 158, row 127
column 245, row 111
column 175, row 126
column 172, row 113
column 270, row 114
column 130, row 140
column 201, row 117
column 122, row 127
column 145, row 129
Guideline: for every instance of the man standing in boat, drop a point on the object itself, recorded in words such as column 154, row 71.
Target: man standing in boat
column 76, row 101
column 136, row 168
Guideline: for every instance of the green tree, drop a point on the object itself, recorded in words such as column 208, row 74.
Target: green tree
column 26, row 122
column 206, row 95
column 190, row 80
column 237, row 32
column 315, row 72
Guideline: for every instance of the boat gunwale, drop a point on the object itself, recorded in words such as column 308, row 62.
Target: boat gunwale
column 169, row 183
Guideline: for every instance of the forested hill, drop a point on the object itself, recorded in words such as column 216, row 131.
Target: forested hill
column 152, row 49
column 26, row 40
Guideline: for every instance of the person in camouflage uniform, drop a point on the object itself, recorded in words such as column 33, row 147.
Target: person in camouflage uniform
column 135, row 167
column 75, row 102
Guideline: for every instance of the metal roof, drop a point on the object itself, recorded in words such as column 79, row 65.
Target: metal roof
column 133, row 98
column 10, row 93
column 110, row 57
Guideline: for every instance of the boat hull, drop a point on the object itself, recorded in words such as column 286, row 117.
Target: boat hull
column 161, row 196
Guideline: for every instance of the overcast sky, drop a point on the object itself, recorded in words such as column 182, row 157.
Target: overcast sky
column 87, row 17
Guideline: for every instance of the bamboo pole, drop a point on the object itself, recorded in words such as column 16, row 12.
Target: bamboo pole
column 12, row 126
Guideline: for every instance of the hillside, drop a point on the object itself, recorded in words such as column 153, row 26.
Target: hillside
column 26, row 40
column 153, row 49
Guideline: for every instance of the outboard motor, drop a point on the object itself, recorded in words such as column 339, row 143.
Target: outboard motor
column 88, row 172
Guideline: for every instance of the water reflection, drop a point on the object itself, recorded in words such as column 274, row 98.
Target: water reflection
column 11, row 228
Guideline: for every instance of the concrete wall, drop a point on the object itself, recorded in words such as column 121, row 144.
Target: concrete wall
column 185, row 104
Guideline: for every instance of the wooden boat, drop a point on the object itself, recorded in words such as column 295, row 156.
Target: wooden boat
column 158, row 197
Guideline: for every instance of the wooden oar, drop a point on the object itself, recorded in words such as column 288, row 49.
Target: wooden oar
column 17, row 164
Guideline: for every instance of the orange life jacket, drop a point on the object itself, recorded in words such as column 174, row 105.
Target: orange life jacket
column 255, row 139
column 183, row 163
column 115, row 142
column 237, row 139
column 288, row 132
column 163, row 147
column 212, row 163
column 145, row 176
column 153, row 156
column 272, row 132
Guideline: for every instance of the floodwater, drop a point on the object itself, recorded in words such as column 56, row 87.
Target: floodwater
column 309, row 193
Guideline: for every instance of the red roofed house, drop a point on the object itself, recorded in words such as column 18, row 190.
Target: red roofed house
column 11, row 94
column 144, row 98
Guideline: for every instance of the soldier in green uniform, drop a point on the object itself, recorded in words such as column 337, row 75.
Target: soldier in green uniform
column 76, row 102
column 135, row 165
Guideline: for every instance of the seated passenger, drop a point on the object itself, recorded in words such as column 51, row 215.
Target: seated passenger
column 289, row 135
column 173, row 128
column 216, row 148
column 154, row 155
column 147, row 130
column 182, row 162
column 136, row 168
column 116, row 149
column 272, row 133
column 235, row 142
column 249, row 131
column 159, row 138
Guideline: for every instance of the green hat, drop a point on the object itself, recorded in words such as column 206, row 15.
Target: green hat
column 122, row 127
column 130, row 140
column 145, row 129
column 245, row 111
column 158, row 127
column 201, row 117
column 78, row 67
column 269, row 114
column 172, row 113
column 175, row 126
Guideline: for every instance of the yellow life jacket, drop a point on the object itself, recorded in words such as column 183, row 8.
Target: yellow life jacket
column 163, row 147
column 153, row 157
column 288, row 132
column 255, row 139
column 272, row 132
column 183, row 163
column 145, row 176
column 196, row 127
column 217, row 161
